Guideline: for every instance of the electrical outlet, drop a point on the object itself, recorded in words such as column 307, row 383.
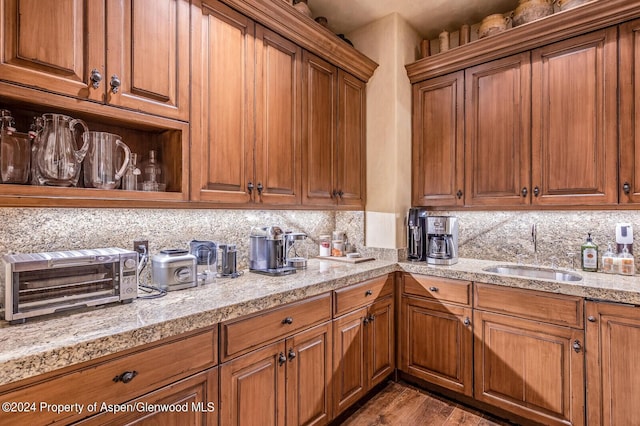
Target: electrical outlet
column 139, row 244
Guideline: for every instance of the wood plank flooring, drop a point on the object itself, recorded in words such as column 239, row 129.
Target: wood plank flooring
column 401, row 404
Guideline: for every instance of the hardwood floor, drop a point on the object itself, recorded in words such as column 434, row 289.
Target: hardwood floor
column 400, row 404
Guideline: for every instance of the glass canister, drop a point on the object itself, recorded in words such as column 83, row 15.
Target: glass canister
column 325, row 245
column 15, row 152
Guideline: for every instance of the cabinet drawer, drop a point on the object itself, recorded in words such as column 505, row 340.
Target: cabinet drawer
column 444, row 289
column 155, row 367
column 244, row 334
column 530, row 304
column 355, row 296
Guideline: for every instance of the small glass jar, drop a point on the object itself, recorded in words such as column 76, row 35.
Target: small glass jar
column 325, row 245
column 609, row 261
column 153, row 175
column 627, row 263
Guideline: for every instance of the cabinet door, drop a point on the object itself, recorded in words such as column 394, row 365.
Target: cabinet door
column 349, row 381
column 529, row 368
column 278, row 118
column 319, row 101
column 54, row 45
column 437, row 343
column 613, row 364
column 438, row 141
column 630, row 112
column 222, row 97
column 195, row 402
column 380, row 341
column 148, row 52
column 574, row 120
column 252, row 388
column 498, row 135
column 350, row 153
column 309, row 369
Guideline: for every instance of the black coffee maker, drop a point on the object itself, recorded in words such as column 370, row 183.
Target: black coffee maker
column 417, row 234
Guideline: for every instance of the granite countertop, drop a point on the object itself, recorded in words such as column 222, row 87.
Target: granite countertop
column 43, row 345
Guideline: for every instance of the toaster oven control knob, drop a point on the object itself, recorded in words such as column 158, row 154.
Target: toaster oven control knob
column 130, row 263
column 183, row 274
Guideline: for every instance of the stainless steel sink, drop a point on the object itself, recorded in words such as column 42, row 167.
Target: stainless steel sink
column 533, row 272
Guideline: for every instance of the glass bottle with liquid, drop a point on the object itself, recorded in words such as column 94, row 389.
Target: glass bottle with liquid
column 153, row 174
column 589, row 255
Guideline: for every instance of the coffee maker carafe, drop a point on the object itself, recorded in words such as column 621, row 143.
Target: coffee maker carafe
column 417, row 235
column 267, row 251
column 442, row 240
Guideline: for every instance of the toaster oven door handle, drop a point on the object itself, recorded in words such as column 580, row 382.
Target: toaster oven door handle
column 72, row 261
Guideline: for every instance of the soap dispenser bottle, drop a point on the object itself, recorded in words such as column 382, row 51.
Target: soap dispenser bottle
column 589, row 255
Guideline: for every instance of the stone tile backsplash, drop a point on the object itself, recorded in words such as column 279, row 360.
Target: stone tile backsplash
column 500, row 235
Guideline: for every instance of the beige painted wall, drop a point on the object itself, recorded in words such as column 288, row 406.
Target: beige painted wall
column 392, row 43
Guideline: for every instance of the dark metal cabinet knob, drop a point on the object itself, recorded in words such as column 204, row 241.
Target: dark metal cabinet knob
column 591, row 318
column 282, row 359
column 292, row 354
column 287, row 320
column 626, row 187
column 467, row 321
column 334, row 193
column 433, row 288
column 95, row 78
column 372, row 318
column 368, row 293
column 536, row 191
column 125, row 377
column 459, row 193
column 115, row 84
column 340, row 193
column 260, row 188
column 250, row 187
column 366, row 320
column 524, row 191
column 577, row 346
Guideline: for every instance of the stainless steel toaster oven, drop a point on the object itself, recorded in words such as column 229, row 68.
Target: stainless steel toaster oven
column 36, row 284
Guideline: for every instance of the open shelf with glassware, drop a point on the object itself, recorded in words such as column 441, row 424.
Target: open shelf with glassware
column 141, row 133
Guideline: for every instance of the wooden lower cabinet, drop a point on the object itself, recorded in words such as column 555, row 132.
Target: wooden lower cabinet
column 613, row 364
column 363, row 351
column 437, row 343
column 192, row 401
column 532, row 369
column 286, row 382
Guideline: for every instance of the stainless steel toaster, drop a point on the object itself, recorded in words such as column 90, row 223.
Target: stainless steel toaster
column 173, row 269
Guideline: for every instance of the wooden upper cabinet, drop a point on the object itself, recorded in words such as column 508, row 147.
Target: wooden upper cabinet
column 351, row 142
column 438, row 141
column 319, row 123
column 54, row 45
column 148, row 52
column 574, row 121
column 629, row 81
column 498, row 143
column 140, row 46
column 278, row 118
column 223, row 98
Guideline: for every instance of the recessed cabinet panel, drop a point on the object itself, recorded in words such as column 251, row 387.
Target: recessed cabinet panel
column 498, row 110
column 147, row 49
column 613, row 364
column 438, row 132
column 319, row 122
column 349, row 381
column 574, row 124
column 278, row 118
column 629, row 185
column 222, row 160
column 54, row 45
column 350, row 151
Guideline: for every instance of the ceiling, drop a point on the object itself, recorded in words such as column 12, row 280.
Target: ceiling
column 428, row 17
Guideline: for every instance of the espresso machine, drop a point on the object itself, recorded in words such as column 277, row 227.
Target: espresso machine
column 267, row 251
column 442, row 240
column 417, row 235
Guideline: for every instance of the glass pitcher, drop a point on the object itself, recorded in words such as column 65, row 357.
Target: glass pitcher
column 15, row 151
column 57, row 159
column 104, row 165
